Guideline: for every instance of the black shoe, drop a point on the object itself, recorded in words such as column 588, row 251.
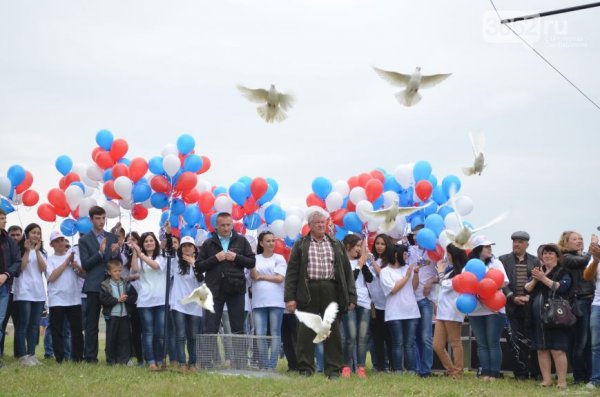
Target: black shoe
column 427, row 375
column 306, row 374
column 333, row 376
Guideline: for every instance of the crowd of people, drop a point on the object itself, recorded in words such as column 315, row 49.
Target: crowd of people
column 394, row 301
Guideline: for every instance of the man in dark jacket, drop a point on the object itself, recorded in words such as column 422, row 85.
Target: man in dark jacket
column 223, row 258
column 319, row 273
column 518, row 265
column 10, row 259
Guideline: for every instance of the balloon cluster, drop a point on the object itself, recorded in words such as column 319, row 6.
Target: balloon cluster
column 475, row 283
column 15, row 189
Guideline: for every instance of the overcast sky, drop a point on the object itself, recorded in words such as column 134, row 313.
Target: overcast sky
column 152, row 70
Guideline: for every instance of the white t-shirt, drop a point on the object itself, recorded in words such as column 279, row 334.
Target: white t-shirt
column 481, row 309
column 80, row 280
column 402, row 305
column 377, row 295
column 596, row 301
column 446, row 305
column 152, row 283
column 418, row 255
column 267, row 293
column 362, row 293
column 183, row 285
column 65, row 290
column 30, row 285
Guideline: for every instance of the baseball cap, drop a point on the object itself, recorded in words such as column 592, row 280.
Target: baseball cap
column 187, row 240
column 56, row 234
column 481, row 240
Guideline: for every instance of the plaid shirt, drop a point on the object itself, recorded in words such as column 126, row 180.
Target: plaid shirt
column 320, row 260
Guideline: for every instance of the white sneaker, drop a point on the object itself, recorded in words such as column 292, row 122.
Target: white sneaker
column 590, row 385
column 26, row 361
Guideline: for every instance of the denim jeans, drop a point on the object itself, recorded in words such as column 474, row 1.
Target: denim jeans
column 186, row 327
column 153, row 333
column 403, row 343
column 268, row 317
column 28, row 327
column 4, row 294
column 319, row 357
column 580, row 353
column 425, row 337
column 355, row 324
column 595, row 334
column 487, row 330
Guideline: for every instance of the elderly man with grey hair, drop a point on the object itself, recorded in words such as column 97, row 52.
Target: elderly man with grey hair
column 319, row 273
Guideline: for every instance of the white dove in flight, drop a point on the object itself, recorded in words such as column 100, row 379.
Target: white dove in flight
column 274, row 103
column 389, row 215
column 413, row 83
column 322, row 326
column 202, row 296
column 478, row 143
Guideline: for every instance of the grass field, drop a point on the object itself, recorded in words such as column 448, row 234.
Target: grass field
column 70, row 379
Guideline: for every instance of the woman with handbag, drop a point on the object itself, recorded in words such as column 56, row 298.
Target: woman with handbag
column 550, row 341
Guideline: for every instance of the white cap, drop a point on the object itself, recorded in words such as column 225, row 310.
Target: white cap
column 480, row 240
column 187, row 240
column 56, row 234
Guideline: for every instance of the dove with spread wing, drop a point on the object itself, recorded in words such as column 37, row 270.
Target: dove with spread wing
column 275, row 104
column 389, row 215
column 202, row 296
column 478, row 144
column 321, row 326
column 412, row 83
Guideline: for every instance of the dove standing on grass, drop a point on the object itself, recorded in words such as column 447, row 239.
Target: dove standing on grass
column 321, row 326
column 413, row 83
column 478, row 143
column 274, row 103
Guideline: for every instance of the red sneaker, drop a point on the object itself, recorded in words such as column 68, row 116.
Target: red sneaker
column 361, row 372
column 346, row 372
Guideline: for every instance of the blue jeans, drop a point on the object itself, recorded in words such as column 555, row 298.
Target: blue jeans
column 403, row 343
column 595, row 334
column 186, row 328
column 319, row 356
column 355, row 324
column 487, row 330
column 4, row 294
column 425, row 337
column 153, row 333
column 28, row 327
column 580, row 343
column 268, row 317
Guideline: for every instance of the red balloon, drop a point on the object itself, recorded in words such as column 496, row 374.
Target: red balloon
column 305, row 230
column 118, row 149
column 350, row 206
column 160, row 184
column 465, row 283
column 258, row 187
column 352, row 182
column 250, row 206
column 104, row 160
column 437, row 254
column 423, row 189
column 205, row 165
column 496, row 302
column 378, row 175
column 62, row 211
column 373, row 189
column 109, row 190
column 239, row 227
column 497, row 276
column 120, row 169
column 206, row 201
column 75, row 213
column 191, row 196
column 30, row 198
column 139, row 212
column 486, row 288
column 338, row 216
column 46, row 213
column 26, row 184
column 186, row 181
column 207, row 219
column 363, row 179
column 57, row 198
column 279, row 246
column 137, row 169
column 313, row 199
column 237, row 212
column 95, row 152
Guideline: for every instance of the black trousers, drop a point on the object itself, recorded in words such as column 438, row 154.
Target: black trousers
column 57, row 321
column 289, row 338
column 92, row 317
column 524, row 360
column 118, row 340
column 382, row 340
column 136, row 332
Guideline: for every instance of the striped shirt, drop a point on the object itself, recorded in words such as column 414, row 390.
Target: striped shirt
column 520, row 276
column 320, row 259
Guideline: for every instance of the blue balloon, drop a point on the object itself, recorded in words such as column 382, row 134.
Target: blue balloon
column 246, row 180
column 84, row 225
column 268, row 196
column 177, row 207
column 104, row 139
column 435, row 222
column 6, row 206
column 438, row 195
column 322, row 187
column 237, row 192
column 466, row 303
column 174, row 220
column 433, row 180
column 68, row 227
column 192, row 214
column 163, row 217
column 427, row 238
column 406, row 197
column 187, row 230
column 421, row 170
column 378, row 203
column 192, row 163
column 252, row 221
column 213, row 220
column 219, row 190
column 185, row 143
column 289, row 242
column 125, row 161
column 430, row 209
column 107, row 175
column 273, row 213
column 345, row 202
column 273, row 184
column 340, row 233
column 16, row 174
column 444, row 211
column 450, row 183
column 141, row 192
column 155, row 165
column 79, row 185
column 416, row 219
column 352, row 222
column 63, row 164
column 159, row 200
column 391, row 184
column 477, row 267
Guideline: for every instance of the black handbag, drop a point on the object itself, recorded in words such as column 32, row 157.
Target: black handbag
column 557, row 313
column 233, row 283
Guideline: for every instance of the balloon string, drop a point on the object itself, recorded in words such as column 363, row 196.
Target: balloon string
column 19, row 216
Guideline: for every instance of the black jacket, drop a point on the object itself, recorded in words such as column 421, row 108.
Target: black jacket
column 576, row 264
column 509, row 263
column 11, row 256
column 108, row 300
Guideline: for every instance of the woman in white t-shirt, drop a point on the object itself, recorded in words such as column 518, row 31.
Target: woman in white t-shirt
column 399, row 282
column 30, row 294
column 267, row 298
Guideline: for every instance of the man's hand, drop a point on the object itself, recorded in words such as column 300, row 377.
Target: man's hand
column 220, row 256
column 103, row 246
column 114, row 248
column 520, row 300
column 290, row 306
column 3, row 278
column 123, row 298
column 167, row 227
column 230, row 256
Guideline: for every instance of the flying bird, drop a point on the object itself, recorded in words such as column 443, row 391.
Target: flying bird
column 274, row 103
column 322, row 326
column 478, row 144
column 389, row 215
column 202, row 296
column 413, row 83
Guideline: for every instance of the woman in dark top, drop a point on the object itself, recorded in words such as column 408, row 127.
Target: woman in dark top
column 549, row 342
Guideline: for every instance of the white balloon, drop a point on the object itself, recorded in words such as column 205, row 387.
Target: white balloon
column 373, row 224
column 443, row 240
column 400, row 226
column 223, row 204
column 126, row 204
column 123, row 186
column 404, row 175
column 147, row 204
column 88, row 189
column 464, row 205
column 262, row 209
column 452, row 223
column 334, row 201
column 203, row 186
column 5, row 186
column 201, row 237
column 389, row 197
column 357, row 194
column 361, row 207
column 94, row 173
column 278, row 228
column 296, row 211
column 171, row 164
column 341, row 187
column 292, row 226
column 85, row 204
column 112, row 209
column 170, row 149
column 74, row 195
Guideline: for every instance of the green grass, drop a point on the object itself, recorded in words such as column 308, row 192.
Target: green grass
column 78, row 380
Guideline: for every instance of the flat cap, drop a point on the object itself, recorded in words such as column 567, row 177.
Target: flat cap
column 520, row 235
